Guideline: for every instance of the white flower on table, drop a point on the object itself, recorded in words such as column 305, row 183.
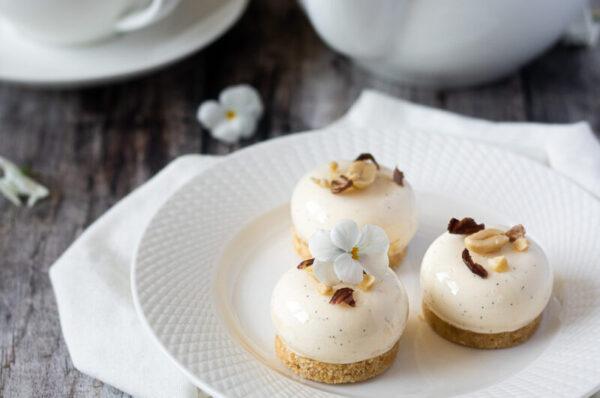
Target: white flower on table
column 234, row 116
column 342, row 254
column 14, row 184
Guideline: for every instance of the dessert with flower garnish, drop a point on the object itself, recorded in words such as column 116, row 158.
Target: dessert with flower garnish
column 360, row 190
column 485, row 287
column 339, row 315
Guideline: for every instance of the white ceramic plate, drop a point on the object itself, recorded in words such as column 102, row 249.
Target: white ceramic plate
column 205, row 268
column 193, row 25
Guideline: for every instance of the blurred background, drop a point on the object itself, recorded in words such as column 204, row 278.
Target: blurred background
column 92, row 139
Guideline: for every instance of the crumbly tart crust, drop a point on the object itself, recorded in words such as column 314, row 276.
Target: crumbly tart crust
column 301, row 247
column 333, row 373
column 488, row 341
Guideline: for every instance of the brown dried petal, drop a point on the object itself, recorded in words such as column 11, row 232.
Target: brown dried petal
column 516, row 232
column 340, row 184
column 367, row 156
column 466, row 226
column 475, row 268
column 306, row 263
column 398, row 177
column 343, row 295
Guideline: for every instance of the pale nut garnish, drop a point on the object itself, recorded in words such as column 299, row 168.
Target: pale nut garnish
column 341, row 184
column 521, row 244
column 366, row 283
column 486, row 241
column 333, row 167
column 499, row 264
column 322, row 288
column 362, row 173
column 322, row 182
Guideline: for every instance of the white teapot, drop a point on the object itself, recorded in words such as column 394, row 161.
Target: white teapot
column 441, row 43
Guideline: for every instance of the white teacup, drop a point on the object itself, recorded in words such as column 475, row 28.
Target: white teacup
column 441, row 43
column 70, row 22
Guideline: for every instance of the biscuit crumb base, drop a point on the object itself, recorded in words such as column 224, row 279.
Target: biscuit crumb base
column 301, row 247
column 332, row 373
column 487, row 341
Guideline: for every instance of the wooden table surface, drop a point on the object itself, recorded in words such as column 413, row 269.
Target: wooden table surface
column 93, row 146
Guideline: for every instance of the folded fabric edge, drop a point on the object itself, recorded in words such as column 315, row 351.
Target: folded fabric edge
column 184, row 162
column 544, row 143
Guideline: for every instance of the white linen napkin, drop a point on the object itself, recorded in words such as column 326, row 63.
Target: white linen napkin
column 570, row 149
column 91, row 279
column 91, row 284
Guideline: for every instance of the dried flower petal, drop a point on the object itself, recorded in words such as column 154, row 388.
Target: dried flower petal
column 367, row 156
column 306, row 263
column 475, row 268
column 466, row 226
column 343, row 295
column 516, row 232
column 339, row 185
column 398, row 177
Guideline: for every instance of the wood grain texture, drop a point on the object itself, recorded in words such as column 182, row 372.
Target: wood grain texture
column 93, row 146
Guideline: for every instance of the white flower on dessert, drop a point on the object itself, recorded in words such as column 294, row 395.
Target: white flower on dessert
column 14, row 184
column 342, row 254
column 234, row 116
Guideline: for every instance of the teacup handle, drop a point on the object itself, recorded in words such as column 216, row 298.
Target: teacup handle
column 155, row 11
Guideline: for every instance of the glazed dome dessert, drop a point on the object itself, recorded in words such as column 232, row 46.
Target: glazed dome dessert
column 339, row 317
column 360, row 190
column 485, row 287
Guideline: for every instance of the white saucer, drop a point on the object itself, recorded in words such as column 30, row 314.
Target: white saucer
column 192, row 26
column 208, row 261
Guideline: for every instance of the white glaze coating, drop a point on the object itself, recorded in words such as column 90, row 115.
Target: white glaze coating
column 383, row 203
column 337, row 333
column 502, row 302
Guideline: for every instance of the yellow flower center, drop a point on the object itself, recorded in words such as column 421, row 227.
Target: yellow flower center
column 230, row 114
column 354, row 253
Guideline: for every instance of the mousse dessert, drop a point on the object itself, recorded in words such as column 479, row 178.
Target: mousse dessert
column 361, row 190
column 339, row 315
column 485, row 287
